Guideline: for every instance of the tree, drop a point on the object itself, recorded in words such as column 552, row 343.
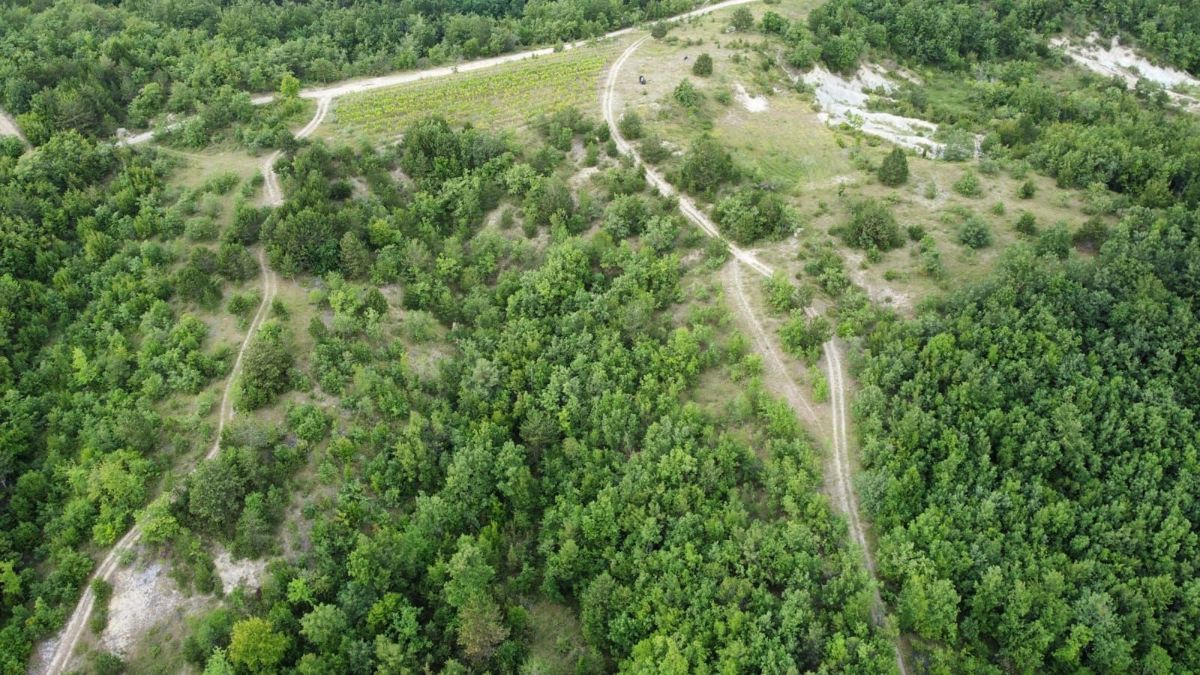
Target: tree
column 659, row 30
column 324, row 626
column 742, row 19
column 894, row 169
column 289, row 87
column 1026, row 224
column 975, row 232
column 630, row 125
column 266, row 370
column 480, row 628
column 703, row 67
column 774, row 23
column 872, row 226
column 930, row 608
column 256, row 645
column 706, row 165
column 802, row 336
column 686, row 94
column 751, row 214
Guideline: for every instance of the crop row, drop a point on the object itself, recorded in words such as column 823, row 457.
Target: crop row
column 503, row 96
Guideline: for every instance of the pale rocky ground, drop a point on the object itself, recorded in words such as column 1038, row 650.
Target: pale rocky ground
column 1112, row 59
column 754, row 104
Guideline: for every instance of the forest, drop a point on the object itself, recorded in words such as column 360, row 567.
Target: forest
column 502, row 419
column 1032, row 459
column 955, row 34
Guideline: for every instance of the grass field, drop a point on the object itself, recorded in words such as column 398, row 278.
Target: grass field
column 823, row 171
column 505, row 96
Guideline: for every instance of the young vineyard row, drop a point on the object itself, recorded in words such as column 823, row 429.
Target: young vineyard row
column 508, row 95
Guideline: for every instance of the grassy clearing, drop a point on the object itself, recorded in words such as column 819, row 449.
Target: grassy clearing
column 823, row 171
column 557, row 642
column 197, row 168
column 504, row 96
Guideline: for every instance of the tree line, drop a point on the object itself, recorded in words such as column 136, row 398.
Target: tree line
column 126, row 64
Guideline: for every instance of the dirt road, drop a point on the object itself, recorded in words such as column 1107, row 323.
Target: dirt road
column 841, row 483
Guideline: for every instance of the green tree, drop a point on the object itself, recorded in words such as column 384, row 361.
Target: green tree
column 703, row 67
column 974, row 232
column 894, row 169
column 968, row 185
column 706, row 165
column 480, row 628
column 630, row 125
column 289, row 87
column 742, row 19
column 267, row 367
column 686, row 94
column 256, row 646
column 872, row 226
column 324, row 626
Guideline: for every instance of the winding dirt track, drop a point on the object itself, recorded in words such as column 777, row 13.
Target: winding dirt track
column 68, row 638
column 842, row 480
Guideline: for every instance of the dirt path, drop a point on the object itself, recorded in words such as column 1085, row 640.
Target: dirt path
column 841, row 485
column 68, row 638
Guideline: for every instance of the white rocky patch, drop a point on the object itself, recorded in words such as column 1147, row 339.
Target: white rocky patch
column 844, row 101
column 1112, row 59
column 143, row 597
column 236, row 572
column 754, row 104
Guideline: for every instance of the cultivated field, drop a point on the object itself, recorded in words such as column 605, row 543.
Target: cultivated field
column 506, row 96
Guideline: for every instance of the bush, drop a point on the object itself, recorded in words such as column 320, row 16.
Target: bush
column 200, row 228
column 686, row 94
column 752, row 214
column 968, row 185
column 1092, row 235
column 742, row 19
column 626, row 215
column 706, row 165
column 782, row 295
column 894, row 169
column 267, row 369
column 931, row 258
column 1055, row 241
column 703, row 67
column 803, row 336
column 975, row 233
column 102, row 590
column 959, row 144
column 630, row 125
column 1026, row 224
column 659, row 30
column 872, row 225
column 915, row 232
column 774, row 23
column 653, row 150
column 1027, row 190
